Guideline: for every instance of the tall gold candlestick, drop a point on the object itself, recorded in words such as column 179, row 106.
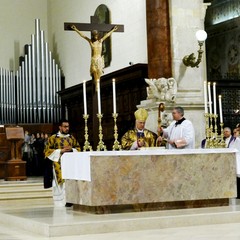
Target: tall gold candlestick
column 207, row 130
column 222, row 142
column 216, row 139
column 215, row 116
column 116, row 145
column 101, row 146
column 211, row 140
column 87, row 146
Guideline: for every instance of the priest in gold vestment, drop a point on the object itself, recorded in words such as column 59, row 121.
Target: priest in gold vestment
column 56, row 146
column 139, row 136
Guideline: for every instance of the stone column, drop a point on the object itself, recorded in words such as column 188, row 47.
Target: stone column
column 158, row 39
column 185, row 20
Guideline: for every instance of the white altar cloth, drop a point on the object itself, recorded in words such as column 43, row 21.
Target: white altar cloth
column 77, row 166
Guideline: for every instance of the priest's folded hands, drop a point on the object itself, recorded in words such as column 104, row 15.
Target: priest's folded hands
column 140, row 142
column 66, row 149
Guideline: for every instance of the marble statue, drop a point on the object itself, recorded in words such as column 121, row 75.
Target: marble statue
column 162, row 89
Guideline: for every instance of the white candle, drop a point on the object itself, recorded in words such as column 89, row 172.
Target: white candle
column 209, row 98
column 220, row 108
column 98, row 95
column 214, row 99
column 205, row 96
column 84, row 98
column 114, row 95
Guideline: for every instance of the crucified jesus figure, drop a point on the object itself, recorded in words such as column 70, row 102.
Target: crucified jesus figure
column 97, row 59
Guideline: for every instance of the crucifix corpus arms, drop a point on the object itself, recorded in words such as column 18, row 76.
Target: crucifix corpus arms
column 97, row 59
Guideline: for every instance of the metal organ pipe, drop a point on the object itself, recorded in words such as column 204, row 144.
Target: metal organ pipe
column 30, row 95
column 54, row 89
column 26, row 89
column 51, row 85
column 37, row 56
column 17, row 97
column 5, row 96
column 47, row 82
column 9, row 97
column 57, row 89
column 20, row 96
column 1, row 96
column 23, row 93
column 58, row 97
column 34, row 87
column 43, row 80
column 13, row 98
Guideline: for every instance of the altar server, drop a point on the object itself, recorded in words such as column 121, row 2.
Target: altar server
column 180, row 133
column 139, row 136
column 57, row 145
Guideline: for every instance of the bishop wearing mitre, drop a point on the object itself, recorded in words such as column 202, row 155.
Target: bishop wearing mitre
column 139, row 136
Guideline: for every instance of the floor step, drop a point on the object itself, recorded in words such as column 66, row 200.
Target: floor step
column 30, row 189
column 24, row 190
column 25, row 196
column 58, row 222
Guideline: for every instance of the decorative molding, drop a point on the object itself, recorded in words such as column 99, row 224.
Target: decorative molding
column 222, row 11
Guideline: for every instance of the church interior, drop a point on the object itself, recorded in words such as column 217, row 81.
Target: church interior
column 158, row 56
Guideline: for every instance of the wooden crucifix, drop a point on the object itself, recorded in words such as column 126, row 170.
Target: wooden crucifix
column 96, row 42
column 94, row 25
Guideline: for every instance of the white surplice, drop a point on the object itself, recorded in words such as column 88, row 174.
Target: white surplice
column 183, row 131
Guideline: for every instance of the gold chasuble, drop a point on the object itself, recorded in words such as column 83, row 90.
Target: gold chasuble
column 57, row 142
column 133, row 135
column 140, row 136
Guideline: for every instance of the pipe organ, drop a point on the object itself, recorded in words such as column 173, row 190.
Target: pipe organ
column 30, row 95
column 7, row 97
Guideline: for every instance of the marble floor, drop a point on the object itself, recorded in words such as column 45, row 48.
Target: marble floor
column 39, row 219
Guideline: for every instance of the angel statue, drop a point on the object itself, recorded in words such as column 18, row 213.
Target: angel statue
column 162, row 89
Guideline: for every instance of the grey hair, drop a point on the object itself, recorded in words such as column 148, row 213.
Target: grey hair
column 179, row 110
column 228, row 129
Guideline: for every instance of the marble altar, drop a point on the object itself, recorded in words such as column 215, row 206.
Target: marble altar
column 121, row 178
